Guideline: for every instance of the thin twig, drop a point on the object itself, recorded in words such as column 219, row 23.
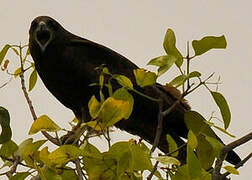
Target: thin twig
column 153, row 171
column 159, row 127
column 78, row 168
column 180, row 147
column 108, row 138
column 13, row 168
column 48, row 136
column 188, row 64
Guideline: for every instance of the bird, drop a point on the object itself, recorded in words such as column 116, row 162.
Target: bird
column 66, row 64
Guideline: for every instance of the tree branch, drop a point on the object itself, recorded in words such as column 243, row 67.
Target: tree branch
column 240, row 164
column 216, row 173
column 78, row 168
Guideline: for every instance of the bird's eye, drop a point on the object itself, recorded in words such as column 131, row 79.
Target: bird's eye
column 51, row 23
column 34, row 24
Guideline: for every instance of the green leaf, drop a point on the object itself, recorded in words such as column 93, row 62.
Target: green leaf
column 205, row 152
column 43, row 155
column 170, row 47
column 223, row 106
column 20, row 176
column 17, row 72
column 101, row 80
column 32, row 79
column 178, row 81
column 69, row 174
column 89, row 150
column 63, row 154
column 197, row 123
column 181, row 173
column 124, row 163
column 123, row 94
column 113, row 110
column 46, row 173
column 30, row 153
column 231, row 170
column 44, row 123
column 192, row 140
column 94, row 107
column 94, row 124
column 164, row 63
column 124, row 81
column 141, row 158
column 167, row 160
column 15, row 51
column 138, row 158
column 22, row 146
column 144, row 78
column 172, row 145
column 5, row 124
column 216, row 144
column 207, row 43
column 193, row 163
column 194, row 74
column 3, row 52
column 8, row 148
column 224, row 131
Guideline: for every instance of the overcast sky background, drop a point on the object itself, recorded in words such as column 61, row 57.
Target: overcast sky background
column 136, row 30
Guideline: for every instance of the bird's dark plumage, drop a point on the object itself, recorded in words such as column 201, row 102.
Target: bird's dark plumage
column 66, row 63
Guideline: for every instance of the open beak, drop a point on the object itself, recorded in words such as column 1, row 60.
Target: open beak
column 43, row 35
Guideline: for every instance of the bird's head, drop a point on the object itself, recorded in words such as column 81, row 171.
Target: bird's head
column 43, row 31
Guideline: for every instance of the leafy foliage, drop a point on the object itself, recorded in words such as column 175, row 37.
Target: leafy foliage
column 125, row 160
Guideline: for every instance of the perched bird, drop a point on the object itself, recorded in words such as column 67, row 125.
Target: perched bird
column 66, row 64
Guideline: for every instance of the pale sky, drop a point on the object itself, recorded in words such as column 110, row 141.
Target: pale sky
column 136, row 30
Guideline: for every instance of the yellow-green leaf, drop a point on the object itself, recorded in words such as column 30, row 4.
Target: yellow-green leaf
column 205, row 152
column 207, row 43
column 43, row 155
column 223, row 106
column 178, row 81
column 3, row 52
column 94, row 125
column 224, row 131
column 144, row 78
column 32, row 79
column 89, row 150
column 30, row 153
column 194, row 74
column 123, row 94
column 172, row 145
column 197, row 123
column 94, row 107
column 231, row 170
column 44, row 123
column 20, row 176
column 193, row 163
column 170, row 47
column 15, row 51
column 167, row 160
column 17, row 72
column 113, row 110
column 216, row 144
column 124, row 81
column 192, row 140
column 62, row 155
column 22, row 146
